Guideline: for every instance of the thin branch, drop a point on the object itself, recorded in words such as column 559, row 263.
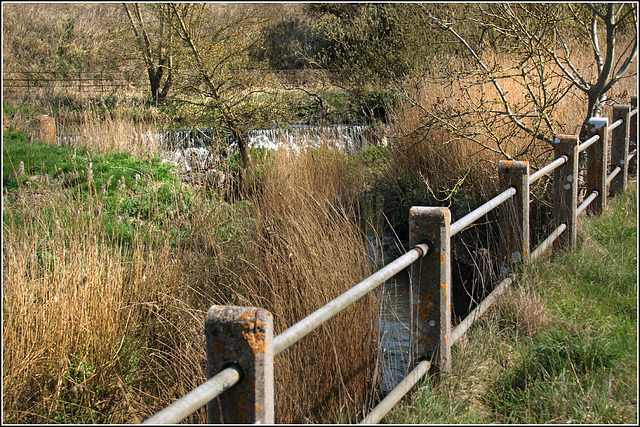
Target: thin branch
column 492, row 78
column 596, row 11
column 595, row 43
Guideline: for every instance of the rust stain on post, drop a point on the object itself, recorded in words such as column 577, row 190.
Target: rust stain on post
column 431, row 277
column 241, row 335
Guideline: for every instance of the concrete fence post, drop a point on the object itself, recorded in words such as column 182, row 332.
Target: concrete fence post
column 514, row 213
column 431, row 287
column 565, row 190
column 620, row 149
column 597, row 163
column 241, row 335
column 633, row 136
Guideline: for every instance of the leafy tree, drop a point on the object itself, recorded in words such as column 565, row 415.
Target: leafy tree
column 370, row 46
column 290, row 43
column 218, row 39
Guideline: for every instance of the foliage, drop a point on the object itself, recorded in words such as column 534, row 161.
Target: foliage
column 128, row 187
column 290, row 43
column 559, row 347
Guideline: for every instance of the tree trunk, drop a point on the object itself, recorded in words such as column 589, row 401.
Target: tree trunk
column 243, row 146
column 154, row 84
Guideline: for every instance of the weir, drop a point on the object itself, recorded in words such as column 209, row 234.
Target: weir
column 204, row 148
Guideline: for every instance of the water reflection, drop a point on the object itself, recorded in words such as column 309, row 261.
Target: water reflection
column 394, row 317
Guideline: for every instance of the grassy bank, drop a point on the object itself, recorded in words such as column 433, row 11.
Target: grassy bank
column 559, row 347
column 110, row 263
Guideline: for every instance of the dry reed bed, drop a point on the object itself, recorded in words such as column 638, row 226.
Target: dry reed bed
column 100, row 332
column 453, row 116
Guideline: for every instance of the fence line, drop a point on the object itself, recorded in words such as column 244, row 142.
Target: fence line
column 430, row 235
column 82, row 80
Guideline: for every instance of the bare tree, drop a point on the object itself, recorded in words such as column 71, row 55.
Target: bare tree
column 542, row 39
column 156, row 45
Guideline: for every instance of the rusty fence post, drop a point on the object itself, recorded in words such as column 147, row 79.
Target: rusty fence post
column 620, row 149
column 242, row 336
column 633, row 137
column 597, row 163
column 431, row 287
column 565, row 190
column 514, row 213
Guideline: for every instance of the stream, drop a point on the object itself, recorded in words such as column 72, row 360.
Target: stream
column 195, row 149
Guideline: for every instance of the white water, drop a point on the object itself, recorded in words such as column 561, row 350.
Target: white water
column 346, row 138
column 202, row 148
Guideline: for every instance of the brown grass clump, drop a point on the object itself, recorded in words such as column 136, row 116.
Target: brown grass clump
column 522, row 311
column 312, row 251
column 99, row 331
column 115, row 132
column 299, row 250
column 72, row 305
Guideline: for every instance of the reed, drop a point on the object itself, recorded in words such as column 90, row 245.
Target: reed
column 98, row 329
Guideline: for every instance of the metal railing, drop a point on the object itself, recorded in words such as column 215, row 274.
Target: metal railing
column 430, row 235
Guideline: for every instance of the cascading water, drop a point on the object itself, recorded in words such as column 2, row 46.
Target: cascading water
column 204, row 148
column 346, row 138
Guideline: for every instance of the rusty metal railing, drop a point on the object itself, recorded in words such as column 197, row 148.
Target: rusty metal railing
column 430, row 234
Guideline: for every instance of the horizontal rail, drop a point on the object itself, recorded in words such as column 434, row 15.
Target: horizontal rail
column 198, row 397
column 465, row 324
column 397, row 393
column 614, row 125
column 631, row 156
column 547, row 169
column 586, row 202
column 613, row 174
column 588, row 143
column 307, row 325
column 547, row 242
column 469, row 218
column 633, row 112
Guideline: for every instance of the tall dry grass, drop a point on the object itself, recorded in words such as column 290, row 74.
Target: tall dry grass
column 110, row 132
column 454, row 115
column 98, row 331
column 73, row 305
column 304, row 248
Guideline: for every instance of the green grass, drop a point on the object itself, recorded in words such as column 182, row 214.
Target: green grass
column 121, row 187
column 560, row 347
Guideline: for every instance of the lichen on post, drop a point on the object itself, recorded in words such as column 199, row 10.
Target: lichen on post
column 431, row 287
column 241, row 335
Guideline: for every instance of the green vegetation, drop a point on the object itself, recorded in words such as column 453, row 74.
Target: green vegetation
column 123, row 187
column 560, row 347
column 123, row 253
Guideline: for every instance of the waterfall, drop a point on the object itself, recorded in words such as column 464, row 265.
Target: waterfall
column 346, row 138
column 203, row 148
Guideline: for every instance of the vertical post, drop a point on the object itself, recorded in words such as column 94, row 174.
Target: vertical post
column 514, row 213
column 620, row 148
column 565, row 190
column 431, row 287
column 633, row 136
column 597, row 163
column 241, row 335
